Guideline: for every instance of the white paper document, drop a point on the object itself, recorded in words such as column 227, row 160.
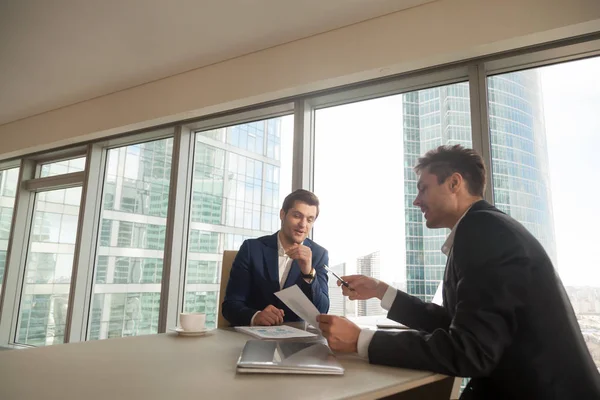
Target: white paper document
column 274, row 332
column 299, row 304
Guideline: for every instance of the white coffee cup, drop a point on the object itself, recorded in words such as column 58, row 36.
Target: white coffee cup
column 192, row 322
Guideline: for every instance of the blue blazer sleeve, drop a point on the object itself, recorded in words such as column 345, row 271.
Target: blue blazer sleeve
column 317, row 291
column 234, row 307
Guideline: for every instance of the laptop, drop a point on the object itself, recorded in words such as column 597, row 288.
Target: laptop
column 385, row 323
column 288, row 357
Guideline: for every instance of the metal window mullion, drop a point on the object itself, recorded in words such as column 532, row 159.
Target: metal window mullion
column 81, row 291
column 303, row 146
column 178, row 216
column 410, row 82
column 57, row 182
column 544, row 55
column 133, row 138
column 58, row 155
column 4, row 165
column 480, row 123
column 237, row 118
column 16, row 255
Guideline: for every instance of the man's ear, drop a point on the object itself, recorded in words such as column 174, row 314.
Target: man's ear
column 281, row 214
column 455, row 182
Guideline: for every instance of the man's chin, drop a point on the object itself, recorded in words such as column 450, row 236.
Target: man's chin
column 299, row 239
column 431, row 224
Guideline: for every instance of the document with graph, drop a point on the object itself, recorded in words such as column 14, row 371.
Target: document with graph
column 274, row 332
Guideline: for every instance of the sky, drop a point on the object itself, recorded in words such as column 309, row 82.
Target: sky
column 358, row 178
column 571, row 93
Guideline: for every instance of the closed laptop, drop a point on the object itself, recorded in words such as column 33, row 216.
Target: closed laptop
column 288, row 357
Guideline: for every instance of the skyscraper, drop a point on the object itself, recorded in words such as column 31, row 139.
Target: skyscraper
column 8, row 189
column 337, row 302
column 441, row 115
column 369, row 265
column 520, row 154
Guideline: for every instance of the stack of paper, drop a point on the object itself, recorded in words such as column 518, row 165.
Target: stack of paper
column 274, row 332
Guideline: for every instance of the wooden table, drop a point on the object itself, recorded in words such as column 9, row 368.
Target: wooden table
column 168, row 366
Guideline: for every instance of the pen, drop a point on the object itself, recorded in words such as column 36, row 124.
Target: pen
column 338, row 278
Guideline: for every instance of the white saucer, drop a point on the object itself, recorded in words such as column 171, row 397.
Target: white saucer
column 181, row 332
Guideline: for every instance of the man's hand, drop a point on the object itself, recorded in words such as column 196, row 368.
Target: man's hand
column 363, row 287
column 341, row 334
column 271, row 315
column 303, row 254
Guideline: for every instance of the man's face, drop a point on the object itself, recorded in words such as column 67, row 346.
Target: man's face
column 297, row 222
column 435, row 200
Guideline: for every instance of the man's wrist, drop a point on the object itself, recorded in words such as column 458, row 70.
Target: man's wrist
column 310, row 275
column 382, row 287
column 364, row 340
column 253, row 318
column 306, row 269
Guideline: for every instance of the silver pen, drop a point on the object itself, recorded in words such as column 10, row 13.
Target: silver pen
column 338, row 278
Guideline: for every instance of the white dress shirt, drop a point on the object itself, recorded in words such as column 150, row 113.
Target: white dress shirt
column 366, row 335
column 285, row 264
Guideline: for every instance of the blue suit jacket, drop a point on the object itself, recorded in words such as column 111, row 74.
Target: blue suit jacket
column 254, row 279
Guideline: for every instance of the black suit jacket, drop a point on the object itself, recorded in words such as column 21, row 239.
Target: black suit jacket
column 254, row 279
column 506, row 322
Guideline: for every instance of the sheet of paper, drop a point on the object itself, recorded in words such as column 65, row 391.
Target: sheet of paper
column 300, row 304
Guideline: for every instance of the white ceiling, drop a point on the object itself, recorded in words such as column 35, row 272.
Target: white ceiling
column 58, row 52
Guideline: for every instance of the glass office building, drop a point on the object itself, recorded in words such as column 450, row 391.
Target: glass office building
column 369, row 265
column 235, row 195
column 338, row 304
column 8, row 188
column 432, row 117
column 437, row 116
column 520, row 154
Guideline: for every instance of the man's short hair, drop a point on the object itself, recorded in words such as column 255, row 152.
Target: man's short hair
column 303, row 196
column 446, row 160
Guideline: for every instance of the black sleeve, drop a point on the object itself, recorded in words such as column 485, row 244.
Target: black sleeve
column 493, row 276
column 417, row 314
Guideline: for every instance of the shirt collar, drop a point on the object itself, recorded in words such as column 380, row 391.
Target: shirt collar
column 450, row 239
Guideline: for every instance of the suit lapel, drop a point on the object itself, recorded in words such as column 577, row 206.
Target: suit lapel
column 271, row 259
column 293, row 275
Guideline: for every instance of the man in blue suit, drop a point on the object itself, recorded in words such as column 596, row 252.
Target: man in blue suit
column 268, row 264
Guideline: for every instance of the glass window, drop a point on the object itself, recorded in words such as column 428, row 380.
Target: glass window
column 544, row 127
column 236, row 194
column 128, row 270
column 8, row 191
column 382, row 139
column 44, row 300
column 62, row 167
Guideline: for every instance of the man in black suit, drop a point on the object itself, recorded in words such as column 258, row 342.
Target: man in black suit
column 506, row 320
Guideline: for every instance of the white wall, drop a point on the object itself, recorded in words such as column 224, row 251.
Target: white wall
column 435, row 33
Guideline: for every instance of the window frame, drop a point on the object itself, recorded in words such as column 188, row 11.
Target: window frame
column 303, row 108
column 29, row 186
